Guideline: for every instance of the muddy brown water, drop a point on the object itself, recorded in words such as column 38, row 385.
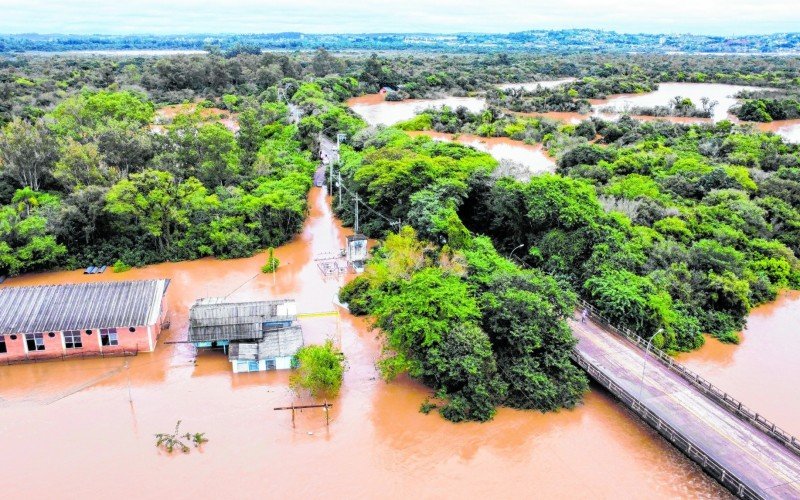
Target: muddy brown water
column 84, row 428
column 374, row 110
column 764, row 369
column 501, row 148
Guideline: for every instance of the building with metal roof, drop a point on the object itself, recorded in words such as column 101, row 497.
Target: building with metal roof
column 81, row 318
column 275, row 351
column 257, row 335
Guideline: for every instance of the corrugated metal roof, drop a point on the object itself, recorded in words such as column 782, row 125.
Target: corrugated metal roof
column 80, row 305
column 275, row 344
column 211, row 319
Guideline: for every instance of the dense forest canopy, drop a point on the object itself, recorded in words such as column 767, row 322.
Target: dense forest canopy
column 678, row 229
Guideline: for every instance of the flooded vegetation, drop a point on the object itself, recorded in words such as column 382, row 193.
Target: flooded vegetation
column 531, row 157
column 722, row 94
column 115, row 406
column 679, row 233
column 375, row 110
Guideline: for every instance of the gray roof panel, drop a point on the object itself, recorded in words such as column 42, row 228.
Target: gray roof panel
column 76, row 306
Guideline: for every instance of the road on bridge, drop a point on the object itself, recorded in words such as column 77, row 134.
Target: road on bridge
column 750, row 454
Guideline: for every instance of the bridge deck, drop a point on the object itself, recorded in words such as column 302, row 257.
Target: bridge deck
column 754, row 457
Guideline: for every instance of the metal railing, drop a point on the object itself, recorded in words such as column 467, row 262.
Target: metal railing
column 717, row 395
column 674, row 436
column 44, row 356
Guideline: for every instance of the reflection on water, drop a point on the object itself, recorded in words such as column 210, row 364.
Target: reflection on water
column 85, row 428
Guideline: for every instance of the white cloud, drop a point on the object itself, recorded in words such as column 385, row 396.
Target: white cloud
column 335, row 16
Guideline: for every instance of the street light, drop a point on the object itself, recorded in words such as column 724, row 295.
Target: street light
column 644, row 363
column 511, row 255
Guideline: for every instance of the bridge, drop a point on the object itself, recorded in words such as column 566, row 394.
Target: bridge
column 741, row 449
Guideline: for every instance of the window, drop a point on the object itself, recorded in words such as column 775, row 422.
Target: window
column 108, row 336
column 35, row 341
column 252, row 366
column 72, row 339
column 270, row 363
column 3, row 347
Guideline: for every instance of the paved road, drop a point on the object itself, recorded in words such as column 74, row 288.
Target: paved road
column 741, row 448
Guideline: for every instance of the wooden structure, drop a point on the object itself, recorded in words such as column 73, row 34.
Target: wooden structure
column 326, row 407
column 80, row 320
column 256, row 335
column 741, row 449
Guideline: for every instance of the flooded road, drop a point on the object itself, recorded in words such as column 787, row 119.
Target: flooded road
column 84, row 429
column 501, row 148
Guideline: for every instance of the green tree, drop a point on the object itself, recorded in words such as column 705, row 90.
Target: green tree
column 320, row 370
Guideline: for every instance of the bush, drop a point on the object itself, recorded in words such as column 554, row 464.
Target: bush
column 272, row 262
column 320, row 372
column 120, row 267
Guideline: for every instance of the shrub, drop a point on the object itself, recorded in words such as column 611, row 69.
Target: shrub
column 120, row 267
column 320, row 372
column 272, row 262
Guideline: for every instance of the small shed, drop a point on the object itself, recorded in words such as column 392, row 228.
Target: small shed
column 357, row 251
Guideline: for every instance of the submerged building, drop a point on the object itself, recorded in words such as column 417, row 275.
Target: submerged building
column 82, row 319
column 257, row 336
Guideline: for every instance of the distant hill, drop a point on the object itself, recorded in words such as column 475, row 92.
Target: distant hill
column 540, row 41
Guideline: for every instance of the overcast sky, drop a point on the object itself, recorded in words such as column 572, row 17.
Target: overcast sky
column 719, row 17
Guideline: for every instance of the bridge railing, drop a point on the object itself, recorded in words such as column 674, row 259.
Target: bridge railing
column 674, row 436
column 711, row 391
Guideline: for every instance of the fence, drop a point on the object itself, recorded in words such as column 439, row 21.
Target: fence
column 709, row 465
column 107, row 352
column 711, row 391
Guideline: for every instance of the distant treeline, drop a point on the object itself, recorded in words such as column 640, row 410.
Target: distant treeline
column 31, row 85
column 540, row 41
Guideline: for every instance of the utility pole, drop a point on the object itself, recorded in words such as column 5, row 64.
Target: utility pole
column 355, row 228
column 340, row 188
column 330, row 177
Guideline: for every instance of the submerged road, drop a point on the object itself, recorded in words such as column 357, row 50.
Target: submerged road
column 767, row 467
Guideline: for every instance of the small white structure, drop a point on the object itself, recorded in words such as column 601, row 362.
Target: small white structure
column 357, row 251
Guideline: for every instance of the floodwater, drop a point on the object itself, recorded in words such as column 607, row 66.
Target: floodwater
column 376, row 111
column 84, row 428
column 501, row 148
column 722, row 93
column 788, row 129
column 545, row 84
column 167, row 114
column 763, row 370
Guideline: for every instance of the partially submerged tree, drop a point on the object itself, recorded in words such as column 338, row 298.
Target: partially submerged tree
column 320, row 372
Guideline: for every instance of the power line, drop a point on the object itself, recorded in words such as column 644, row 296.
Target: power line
column 370, row 209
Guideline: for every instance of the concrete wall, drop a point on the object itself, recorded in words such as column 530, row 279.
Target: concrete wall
column 141, row 339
